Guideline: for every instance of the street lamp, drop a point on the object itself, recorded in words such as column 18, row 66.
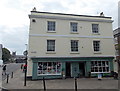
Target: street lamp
column 25, row 69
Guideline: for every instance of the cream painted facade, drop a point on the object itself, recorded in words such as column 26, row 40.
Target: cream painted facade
column 38, row 36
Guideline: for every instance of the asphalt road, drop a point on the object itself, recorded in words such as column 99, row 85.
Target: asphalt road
column 11, row 67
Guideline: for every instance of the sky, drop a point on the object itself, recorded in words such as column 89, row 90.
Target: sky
column 14, row 20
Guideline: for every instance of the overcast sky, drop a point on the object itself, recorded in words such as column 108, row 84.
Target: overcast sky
column 14, row 21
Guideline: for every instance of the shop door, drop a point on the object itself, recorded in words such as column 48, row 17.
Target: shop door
column 68, row 69
column 82, row 69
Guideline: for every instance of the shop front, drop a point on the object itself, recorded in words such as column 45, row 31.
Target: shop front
column 71, row 67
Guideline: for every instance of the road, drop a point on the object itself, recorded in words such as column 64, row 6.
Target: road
column 11, row 67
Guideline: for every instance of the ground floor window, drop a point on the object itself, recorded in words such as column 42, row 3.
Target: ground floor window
column 49, row 68
column 100, row 67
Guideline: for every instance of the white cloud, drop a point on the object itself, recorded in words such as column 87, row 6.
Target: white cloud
column 14, row 21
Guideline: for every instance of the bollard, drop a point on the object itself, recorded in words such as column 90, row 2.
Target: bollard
column 7, row 77
column 75, row 84
column 25, row 77
column 12, row 75
column 44, row 84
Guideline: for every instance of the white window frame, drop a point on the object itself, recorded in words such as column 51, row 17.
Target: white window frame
column 74, row 46
column 47, row 71
column 95, row 28
column 51, row 26
column 104, row 68
column 50, row 46
column 74, row 27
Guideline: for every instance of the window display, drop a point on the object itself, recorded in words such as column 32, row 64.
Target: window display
column 100, row 67
column 49, row 68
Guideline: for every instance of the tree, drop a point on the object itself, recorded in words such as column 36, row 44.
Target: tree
column 6, row 55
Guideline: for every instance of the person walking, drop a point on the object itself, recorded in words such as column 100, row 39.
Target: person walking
column 4, row 70
column 21, row 66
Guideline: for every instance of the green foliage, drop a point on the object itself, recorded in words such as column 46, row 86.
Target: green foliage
column 6, row 55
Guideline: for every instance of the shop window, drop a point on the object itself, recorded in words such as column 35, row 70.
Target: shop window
column 49, row 68
column 100, row 67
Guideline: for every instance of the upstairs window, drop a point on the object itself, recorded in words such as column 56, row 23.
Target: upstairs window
column 51, row 26
column 74, row 45
column 96, row 46
column 95, row 28
column 50, row 45
column 73, row 27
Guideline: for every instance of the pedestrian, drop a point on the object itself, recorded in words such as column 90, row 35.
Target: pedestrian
column 4, row 70
column 21, row 66
column 116, row 75
column 24, row 67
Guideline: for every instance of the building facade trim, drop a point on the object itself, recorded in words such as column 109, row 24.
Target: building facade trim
column 75, row 36
column 69, row 18
column 42, row 57
column 69, row 14
column 74, row 65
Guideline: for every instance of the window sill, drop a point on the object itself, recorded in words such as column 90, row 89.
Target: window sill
column 51, row 52
column 51, row 31
column 74, row 53
column 74, row 32
column 99, row 72
column 97, row 53
column 47, row 74
column 96, row 33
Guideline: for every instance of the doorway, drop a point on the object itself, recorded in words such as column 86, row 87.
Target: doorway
column 82, row 69
column 68, row 69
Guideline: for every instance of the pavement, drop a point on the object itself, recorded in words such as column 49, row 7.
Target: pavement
column 17, row 82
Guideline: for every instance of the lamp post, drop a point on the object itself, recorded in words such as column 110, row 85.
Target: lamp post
column 25, row 69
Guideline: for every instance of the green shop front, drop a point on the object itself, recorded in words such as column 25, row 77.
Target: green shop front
column 71, row 67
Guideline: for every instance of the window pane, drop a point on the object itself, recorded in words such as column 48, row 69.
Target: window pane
column 95, row 28
column 40, row 71
column 73, row 27
column 54, row 67
column 100, row 69
column 50, row 45
column 107, row 69
column 104, row 69
column 96, row 69
column 96, row 45
column 74, row 45
column 51, row 26
column 58, row 67
column 103, row 63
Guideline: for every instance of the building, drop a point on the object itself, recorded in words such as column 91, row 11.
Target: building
column 116, row 34
column 69, row 45
column 0, row 51
column 1, row 61
column 18, row 58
